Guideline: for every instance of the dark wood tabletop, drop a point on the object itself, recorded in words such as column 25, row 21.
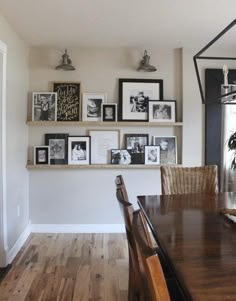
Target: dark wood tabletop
column 198, row 242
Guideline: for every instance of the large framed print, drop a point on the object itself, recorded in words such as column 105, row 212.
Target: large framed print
column 102, row 142
column 134, row 95
column 79, row 150
column 41, row 155
column 44, row 106
column 58, row 147
column 168, row 148
column 162, row 111
column 68, row 100
column 92, row 106
column 135, row 144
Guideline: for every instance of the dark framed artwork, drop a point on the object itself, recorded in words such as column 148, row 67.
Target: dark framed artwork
column 135, row 144
column 162, row 111
column 109, row 112
column 134, row 95
column 79, row 150
column 44, row 106
column 41, row 155
column 152, row 154
column 58, row 147
column 68, row 100
column 120, row 156
column 168, row 148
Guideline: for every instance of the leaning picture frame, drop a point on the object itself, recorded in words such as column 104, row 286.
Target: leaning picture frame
column 41, row 155
column 135, row 144
column 58, row 148
column 162, row 111
column 68, row 100
column 134, row 95
column 109, row 112
column 92, row 106
column 79, row 150
column 168, row 148
column 120, row 157
column 152, row 155
column 44, row 106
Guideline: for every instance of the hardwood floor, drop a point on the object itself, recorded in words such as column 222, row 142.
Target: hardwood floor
column 69, row 267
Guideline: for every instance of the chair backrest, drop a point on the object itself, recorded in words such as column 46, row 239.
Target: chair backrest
column 153, row 271
column 182, row 180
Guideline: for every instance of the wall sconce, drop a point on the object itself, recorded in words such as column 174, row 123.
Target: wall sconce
column 66, row 63
column 228, row 91
column 144, row 64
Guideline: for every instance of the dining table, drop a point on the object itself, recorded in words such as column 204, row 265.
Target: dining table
column 197, row 240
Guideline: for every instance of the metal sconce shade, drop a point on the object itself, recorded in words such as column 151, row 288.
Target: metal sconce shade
column 144, row 64
column 66, row 63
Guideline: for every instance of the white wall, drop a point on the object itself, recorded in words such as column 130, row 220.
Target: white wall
column 88, row 196
column 16, row 132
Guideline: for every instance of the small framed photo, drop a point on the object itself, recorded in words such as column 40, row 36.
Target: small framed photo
column 79, row 148
column 134, row 95
column 92, row 106
column 168, row 149
column 41, row 155
column 58, row 147
column 120, row 156
column 68, row 100
column 109, row 112
column 135, row 144
column 44, row 106
column 162, row 111
column 152, row 154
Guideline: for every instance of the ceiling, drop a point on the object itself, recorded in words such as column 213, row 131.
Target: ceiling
column 119, row 23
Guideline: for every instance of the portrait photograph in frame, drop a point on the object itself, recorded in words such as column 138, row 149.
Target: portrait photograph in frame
column 134, row 95
column 68, row 100
column 92, row 106
column 79, row 150
column 152, row 154
column 109, row 112
column 135, row 144
column 44, row 106
column 58, row 148
column 41, row 155
column 120, row 156
column 102, row 142
column 168, row 148
column 162, row 111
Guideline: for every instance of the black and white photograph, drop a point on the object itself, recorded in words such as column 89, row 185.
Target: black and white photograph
column 58, row 147
column 92, row 106
column 44, row 106
column 120, row 156
column 152, row 154
column 134, row 96
column 79, row 150
column 162, row 111
column 41, row 155
column 168, row 149
column 109, row 112
column 135, row 144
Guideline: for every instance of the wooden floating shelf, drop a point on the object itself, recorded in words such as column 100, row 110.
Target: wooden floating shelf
column 89, row 123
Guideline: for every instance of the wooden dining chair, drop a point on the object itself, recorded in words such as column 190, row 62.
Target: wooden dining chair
column 183, row 180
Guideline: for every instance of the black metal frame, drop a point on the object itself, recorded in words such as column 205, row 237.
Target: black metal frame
column 199, row 56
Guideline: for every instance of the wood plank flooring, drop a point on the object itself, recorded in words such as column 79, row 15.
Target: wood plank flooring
column 69, row 267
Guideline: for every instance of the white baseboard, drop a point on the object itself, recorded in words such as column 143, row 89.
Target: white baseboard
column 77, row 228
column 19, row 243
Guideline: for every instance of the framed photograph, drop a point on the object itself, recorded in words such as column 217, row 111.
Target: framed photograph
column 152, row 154
column 79, row 150
column 41, row 155
column 109, row 112
column 135, row 144
column 134, row 95
column 102, row 142
column 68, row 100
column 58, row 147
column 44, row 106
column 168, row 149
column 120, row 156
column 92, row 106
column 162, row 111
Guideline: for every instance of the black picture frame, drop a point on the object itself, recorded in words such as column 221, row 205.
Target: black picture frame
column 68, row 100
column 110, row 115
column 58, row 144
column 41, row 155
column 162, row 111
column 135, row 144
column 79, row 150
column 134, row 95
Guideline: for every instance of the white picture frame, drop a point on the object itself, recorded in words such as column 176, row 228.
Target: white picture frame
column 44, row 106
column 79, row 150
column 92, row 106
column 152, row 155
column 168, row 148
column 162, row 111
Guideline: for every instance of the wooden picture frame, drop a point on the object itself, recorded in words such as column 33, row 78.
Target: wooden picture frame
column 41, row 155
column 162, row 111
column 92, row 106
column 79, row 150
column 68, row 100
column 58, row 148
column 168, row 148
column 135, row 144
column 44, row 106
